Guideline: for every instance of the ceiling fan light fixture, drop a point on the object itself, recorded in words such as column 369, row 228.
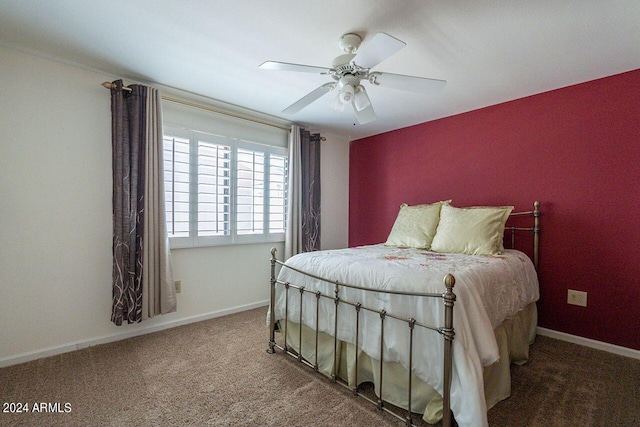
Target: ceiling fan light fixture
column 360, row 99
column 347, row 93
column 348, row 85
column 338, row 105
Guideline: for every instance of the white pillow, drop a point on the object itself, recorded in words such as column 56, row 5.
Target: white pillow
column 473, row 231
column 415, row 226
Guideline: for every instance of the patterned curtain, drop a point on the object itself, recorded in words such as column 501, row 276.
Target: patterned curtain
column 135, row 120
column 310, row 165
column 303, row 212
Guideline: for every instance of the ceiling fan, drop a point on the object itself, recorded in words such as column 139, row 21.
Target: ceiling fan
column 352, row 68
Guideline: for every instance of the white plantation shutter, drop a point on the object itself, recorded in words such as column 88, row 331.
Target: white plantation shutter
column 223, row 191
column 277, row 193
column 176, row 189
column 250, row 191
column 214, row 189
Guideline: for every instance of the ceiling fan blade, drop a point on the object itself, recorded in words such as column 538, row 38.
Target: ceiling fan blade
column 366, row 115
column 285, row 66
column 408, row 83
column 377, row 50
column 309, row 98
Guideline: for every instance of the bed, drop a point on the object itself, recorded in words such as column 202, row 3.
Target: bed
column 384, row 314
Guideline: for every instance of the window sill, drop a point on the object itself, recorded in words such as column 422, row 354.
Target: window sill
column 181, row 244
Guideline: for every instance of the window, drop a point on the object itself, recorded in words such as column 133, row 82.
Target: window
column 222, row 191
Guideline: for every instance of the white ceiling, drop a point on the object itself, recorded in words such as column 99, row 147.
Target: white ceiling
column 489, row 51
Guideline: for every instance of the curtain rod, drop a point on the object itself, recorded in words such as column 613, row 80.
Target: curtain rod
column 110, row 85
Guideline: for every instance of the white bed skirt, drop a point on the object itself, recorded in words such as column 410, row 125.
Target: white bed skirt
column 513, row 337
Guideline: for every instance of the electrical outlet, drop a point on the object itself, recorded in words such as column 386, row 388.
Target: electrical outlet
column 178, row 285
column 577, row 298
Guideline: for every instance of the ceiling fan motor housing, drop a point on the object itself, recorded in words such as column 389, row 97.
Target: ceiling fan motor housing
column 342, row 64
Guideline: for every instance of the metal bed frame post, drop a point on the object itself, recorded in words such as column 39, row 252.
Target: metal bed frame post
column 286, row 316
column 357, row 307
column 448, row 334
column 300, row 327
column 383, row 314
column 318, row 295
column 272, row 311
column 336, row 299
column 536, row 232
column 412, row 324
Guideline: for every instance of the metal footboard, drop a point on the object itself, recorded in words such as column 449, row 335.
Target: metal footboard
column 447, row 332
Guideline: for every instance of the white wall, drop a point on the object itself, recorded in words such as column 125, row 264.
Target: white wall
column 55, row 219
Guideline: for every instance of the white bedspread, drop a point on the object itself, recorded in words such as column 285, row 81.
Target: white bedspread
column 489, row 289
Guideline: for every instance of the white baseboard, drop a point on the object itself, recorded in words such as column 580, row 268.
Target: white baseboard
column 599, row 345
column 65, row 348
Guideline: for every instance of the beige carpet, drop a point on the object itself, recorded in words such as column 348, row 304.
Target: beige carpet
column 217, row 373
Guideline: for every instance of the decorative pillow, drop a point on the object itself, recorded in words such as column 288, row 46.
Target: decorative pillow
column 507, row 212
column 473, row 231
column 415, row 225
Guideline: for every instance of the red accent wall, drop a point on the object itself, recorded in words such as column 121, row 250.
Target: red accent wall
column 575, row 149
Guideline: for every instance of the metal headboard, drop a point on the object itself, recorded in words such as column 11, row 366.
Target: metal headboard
column 535, row 230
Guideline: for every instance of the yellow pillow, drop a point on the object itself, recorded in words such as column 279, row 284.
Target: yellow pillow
column 473, row 231
column 415, row 225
